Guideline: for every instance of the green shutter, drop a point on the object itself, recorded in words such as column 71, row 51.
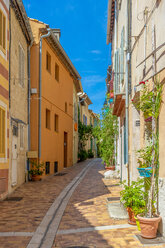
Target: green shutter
column 122, row 57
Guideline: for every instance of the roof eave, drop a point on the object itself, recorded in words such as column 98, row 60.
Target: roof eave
column 110, row 21
column 23, row 19
column 54, row 41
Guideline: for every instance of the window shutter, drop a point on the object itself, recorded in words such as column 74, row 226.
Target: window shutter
column 2, row 132
column 117, row 71
column 4, row 32
column 1, row 28
column 23, row 67
column 20, row 75
column 115, row 74
column 122, row 57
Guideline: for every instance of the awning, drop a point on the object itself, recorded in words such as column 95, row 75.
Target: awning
column 119, row 104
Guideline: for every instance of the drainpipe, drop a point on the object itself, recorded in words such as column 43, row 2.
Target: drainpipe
column 40, row 91
column 128, row 85
column 29, row 97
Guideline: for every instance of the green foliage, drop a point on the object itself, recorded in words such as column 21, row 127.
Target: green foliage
column 82, row 155
column 150, row 101
column 36, row 168
column 106, row 133
column 90, row 153
column 145, row 156
column 133, row 196
column 149, row 104
column 85, row 132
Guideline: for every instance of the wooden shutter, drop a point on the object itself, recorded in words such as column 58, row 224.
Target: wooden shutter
column 21, row 66
column 2, row 133
column 4, row 32
column 20, row 75
column 1, row 29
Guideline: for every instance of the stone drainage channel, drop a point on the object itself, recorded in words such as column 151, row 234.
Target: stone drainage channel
column 47, row 230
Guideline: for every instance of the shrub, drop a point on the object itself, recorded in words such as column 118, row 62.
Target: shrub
column 82, row 155
column 90, row 153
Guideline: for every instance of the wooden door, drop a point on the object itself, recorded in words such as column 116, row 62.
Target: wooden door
column 65, row 148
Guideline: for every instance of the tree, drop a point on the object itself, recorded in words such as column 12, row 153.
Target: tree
column 106, row 133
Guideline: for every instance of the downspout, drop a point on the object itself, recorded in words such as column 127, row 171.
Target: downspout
column 40, row 91
column 29, row 98
column 128, row 85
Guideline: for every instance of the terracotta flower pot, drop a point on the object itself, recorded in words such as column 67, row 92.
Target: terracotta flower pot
column 149, row 226
column 36, row 178
column 110, row 167
column 131, row 215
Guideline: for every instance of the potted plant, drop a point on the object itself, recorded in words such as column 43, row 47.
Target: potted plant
column 149, row 104
column 133, row 198
column 36, row 170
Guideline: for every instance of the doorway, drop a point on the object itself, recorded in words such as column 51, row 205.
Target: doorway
column 65, row 148
column 14, row 160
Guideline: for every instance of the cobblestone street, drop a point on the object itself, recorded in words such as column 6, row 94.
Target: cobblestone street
column 45, row 217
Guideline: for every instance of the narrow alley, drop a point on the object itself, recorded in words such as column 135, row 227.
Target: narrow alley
column 68, row 209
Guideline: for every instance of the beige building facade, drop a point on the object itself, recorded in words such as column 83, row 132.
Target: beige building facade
column 77, row 89
column 19, row 79
column 144, row 61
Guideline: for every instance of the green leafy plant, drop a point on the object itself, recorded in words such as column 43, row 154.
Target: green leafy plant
column 150, row 104
column 106, row 133
column 36, row 168
column 145, row 156
column 82, row 155
column 90, row 153
column 133, row 196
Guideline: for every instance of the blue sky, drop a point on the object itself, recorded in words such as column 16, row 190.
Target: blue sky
column 83, row 26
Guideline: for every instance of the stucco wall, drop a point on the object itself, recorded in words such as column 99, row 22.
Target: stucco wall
column 54, row 96
column 18, row 100
column 4, row 101
column 75, row 121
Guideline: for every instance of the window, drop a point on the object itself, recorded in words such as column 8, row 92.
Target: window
column 57, row 72
column 66, row 107
column 2, row 133
column 21, row 137
column 21, row 65
column 75, row 112
column 55, row 167
column 48, row 118
column 48, row 62
column 15, row 130
column 47, row 168
column 2, row 31
column 56, row 123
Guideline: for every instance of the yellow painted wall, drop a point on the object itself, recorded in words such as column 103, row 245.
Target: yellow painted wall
column 4, row 102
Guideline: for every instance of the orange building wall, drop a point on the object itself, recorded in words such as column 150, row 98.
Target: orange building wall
column 54, row 96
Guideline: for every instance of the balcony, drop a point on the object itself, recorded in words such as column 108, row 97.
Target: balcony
column 119, row 100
